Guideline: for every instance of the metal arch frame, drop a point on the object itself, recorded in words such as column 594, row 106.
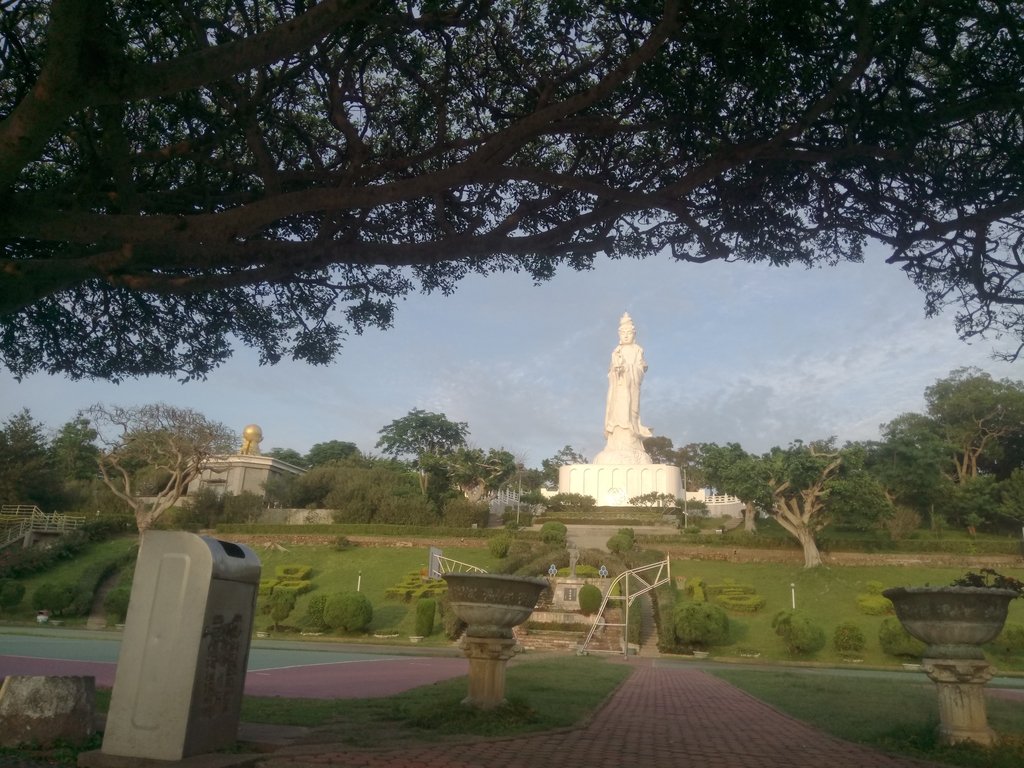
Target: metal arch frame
column 439, row 565
column 662, row 574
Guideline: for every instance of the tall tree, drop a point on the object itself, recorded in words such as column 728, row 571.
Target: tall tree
column 427, row 438
column 332, row 450
column 563, row 457
column 288, row 455
column 165, row 443
column 976, row 415
column 422, row 432
column 814, row 484
column 911, row 463
column 660, row 449
column 175, row 176
column 476, row 472
column 26, row 474
column 730, row 469
column 73, row 450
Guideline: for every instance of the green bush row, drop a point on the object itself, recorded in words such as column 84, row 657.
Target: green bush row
column 354, row 529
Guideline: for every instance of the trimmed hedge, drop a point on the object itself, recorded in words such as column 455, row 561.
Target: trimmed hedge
column 266, row 587
column 695, row 588
column 553, row 532
column 896, row 641
column 293, row 572
column 701, row 624
column 874, row 605
column 800, row 634
column 742, row 602
column 848, row 638
column 425, row 609
column 499, row 545
column 414, row 587
column 295, row 588
column 315, row 611
column 348, row 611
column 590, row 598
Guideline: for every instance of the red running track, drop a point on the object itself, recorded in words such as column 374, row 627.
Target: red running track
column 353, row 679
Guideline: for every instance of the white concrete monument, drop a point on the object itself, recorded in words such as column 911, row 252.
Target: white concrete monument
column 623, row 469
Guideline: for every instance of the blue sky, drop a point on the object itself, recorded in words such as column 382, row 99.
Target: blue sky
column 736, row 353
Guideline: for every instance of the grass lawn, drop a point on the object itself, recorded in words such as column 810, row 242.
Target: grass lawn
column 543, row 694
column 829, row 596
column 70, row 572
column 374, row 569
column 896, row 713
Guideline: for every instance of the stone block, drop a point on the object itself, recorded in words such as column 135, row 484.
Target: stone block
column 40, row 710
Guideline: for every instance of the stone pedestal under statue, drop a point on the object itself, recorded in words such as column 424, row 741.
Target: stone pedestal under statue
column 613, row 485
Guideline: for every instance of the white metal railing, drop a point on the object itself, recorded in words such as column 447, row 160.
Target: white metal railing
column 720, row 498
column 650, row 577
column 17, row 520
column 507, row 496
column 439, row 564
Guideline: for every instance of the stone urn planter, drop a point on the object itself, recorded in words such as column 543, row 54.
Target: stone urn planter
column 954, row 622
column 490, row 605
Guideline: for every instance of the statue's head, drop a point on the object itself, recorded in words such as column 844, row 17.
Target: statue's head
column 627, row 331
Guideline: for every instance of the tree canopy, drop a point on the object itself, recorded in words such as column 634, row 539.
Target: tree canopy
column 176, row 177
column 420, row 433
column 149, row 454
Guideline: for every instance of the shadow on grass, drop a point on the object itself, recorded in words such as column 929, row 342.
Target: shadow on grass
column 543, row 694
column 900, row 714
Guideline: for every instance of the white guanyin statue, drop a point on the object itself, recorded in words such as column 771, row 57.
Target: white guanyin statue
column 622, row 426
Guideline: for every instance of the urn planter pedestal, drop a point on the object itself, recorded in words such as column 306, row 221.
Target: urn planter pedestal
column 490, row 605
column 955, row 622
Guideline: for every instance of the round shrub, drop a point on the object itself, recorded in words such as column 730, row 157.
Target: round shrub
column 798, row 632
column 896, row 641
column 116, row 603
column 1011, row 640
column 315, row 611
column 499, row 545
column 553, row 532
column 874, row 604
column 425, row 609
column 11, row 593
column 848, row 638
column 619, row 543
column 55, row 598
column 590, row 599
column 348, row 611
column 281, row 605
column 701, row 624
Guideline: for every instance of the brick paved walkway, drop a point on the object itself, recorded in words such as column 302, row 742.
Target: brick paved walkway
column 661, row 716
